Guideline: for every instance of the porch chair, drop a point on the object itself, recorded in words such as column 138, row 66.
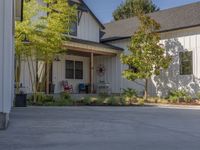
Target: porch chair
column 82, row 88
column 67, row 88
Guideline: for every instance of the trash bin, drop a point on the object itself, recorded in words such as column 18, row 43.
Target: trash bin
column 21, row 100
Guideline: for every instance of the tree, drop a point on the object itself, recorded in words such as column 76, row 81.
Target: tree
column 130, row 8
column 146, row 57
column 46, row 33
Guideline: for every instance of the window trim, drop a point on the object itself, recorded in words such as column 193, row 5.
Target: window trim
column 181, row 63
column 74, row 70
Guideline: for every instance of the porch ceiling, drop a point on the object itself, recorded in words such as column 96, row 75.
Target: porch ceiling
column 91, row 47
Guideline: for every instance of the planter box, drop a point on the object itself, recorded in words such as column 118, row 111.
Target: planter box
column 20, row 100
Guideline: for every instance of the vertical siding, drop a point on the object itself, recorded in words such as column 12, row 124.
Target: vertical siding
column 175, row 42
column 88, row 29
column 59, row 73
column 112, row 72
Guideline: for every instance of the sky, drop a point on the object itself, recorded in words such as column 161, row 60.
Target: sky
column 103, row 8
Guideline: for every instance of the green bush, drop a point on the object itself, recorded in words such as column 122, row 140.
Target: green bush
column 41, row 99
column 113, row 101
column 140, row 102
column 129, row 96
column 47, row 100
column 177, row 96
column 198, row 95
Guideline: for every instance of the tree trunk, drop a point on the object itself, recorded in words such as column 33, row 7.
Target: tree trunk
column 18, row 73
column 146, row 90
column 47, row 78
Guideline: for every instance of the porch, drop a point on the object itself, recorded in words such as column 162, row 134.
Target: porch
column 92, row 64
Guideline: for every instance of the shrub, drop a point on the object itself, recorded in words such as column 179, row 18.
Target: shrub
column 129, row 96
column 41, row 99
column 140, row 102
column 198, row 95
column 177, row 96
column 113, row 101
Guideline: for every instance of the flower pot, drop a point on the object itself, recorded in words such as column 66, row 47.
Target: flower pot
column 20, row 100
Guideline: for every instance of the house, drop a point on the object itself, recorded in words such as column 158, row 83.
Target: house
column 180, row 35
column 7, row 57
column 93, row 55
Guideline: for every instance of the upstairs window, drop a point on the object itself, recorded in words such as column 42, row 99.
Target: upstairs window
column 186, row 65
column 73, row 29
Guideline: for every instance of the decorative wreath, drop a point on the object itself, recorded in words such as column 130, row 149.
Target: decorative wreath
column 101, row 70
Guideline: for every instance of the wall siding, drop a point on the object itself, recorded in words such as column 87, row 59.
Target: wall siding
column 175, row 42
column 88, row 29
column 59, row 73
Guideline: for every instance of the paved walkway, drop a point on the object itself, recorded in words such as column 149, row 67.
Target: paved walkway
column 102, row 128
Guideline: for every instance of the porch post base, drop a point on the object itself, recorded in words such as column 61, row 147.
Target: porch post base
column 4, row 119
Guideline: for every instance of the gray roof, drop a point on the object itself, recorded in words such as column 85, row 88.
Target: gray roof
column 103, row 45
column 170, row 19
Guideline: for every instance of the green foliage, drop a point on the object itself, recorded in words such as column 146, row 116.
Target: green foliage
column 176, row 96
column 146, row 54
column 198, row 95
column 140, row 102
column 41, row 99
column 129, row 96
column 131, row 8
column 113, row 101
column 45, row 34
column 47, row 100
column 129, row 93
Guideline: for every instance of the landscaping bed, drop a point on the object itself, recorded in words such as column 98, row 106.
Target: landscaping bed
column 128, row 98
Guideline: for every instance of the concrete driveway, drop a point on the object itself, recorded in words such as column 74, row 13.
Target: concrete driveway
column 102, row 128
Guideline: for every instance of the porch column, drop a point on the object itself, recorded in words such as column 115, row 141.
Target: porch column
column 6, row 61
column 92, row 72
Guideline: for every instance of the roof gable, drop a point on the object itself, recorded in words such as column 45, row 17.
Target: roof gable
column 170, row 19
column 89, row 10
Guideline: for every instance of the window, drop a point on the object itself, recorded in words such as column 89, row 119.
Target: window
column 73, row 29
column 74, row 69
column 78, row 70
column 186, row 65
column 69, row 66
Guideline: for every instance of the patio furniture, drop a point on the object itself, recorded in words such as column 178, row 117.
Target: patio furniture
column 103, row 88
column 82, row 88
column 67, row 88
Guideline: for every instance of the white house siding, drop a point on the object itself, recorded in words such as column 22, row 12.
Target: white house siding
column 59, row 72
column 138, row 85
column 112, row 73
column 175, row 42
column 6, row 60
column 88, row 28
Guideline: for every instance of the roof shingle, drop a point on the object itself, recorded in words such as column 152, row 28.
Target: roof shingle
column 170, row 19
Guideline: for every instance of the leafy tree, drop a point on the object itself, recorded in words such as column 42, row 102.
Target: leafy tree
column 44, row 26
column 130, row 8
column 146, row 57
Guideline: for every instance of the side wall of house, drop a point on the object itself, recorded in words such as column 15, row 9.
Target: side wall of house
column 138, row 85
column 6, row 60
column 175, row 42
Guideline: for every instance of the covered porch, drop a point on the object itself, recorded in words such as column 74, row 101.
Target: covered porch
column 88, row 64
